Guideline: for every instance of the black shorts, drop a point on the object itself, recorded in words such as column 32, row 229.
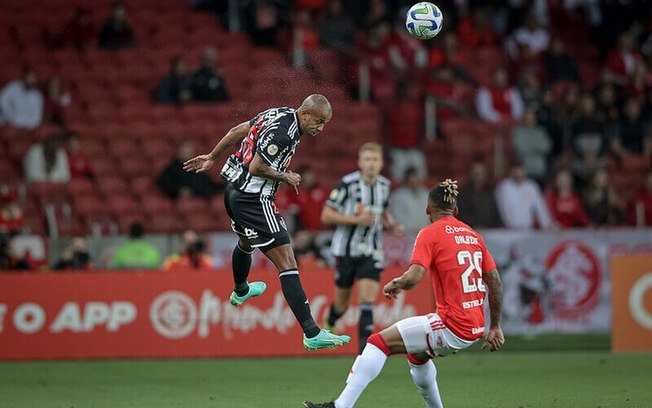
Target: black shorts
column 349, row 269
column 256, row 218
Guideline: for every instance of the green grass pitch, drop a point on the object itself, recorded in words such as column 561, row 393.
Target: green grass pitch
column 548, row 371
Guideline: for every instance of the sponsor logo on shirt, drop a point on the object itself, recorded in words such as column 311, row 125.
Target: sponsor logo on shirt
column 450, row 229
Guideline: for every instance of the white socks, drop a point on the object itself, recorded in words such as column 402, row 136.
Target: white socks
column 425, row 378
column 365, row 369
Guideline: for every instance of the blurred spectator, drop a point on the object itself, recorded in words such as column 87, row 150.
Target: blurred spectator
column 476, row 200
column 405, row 124
column 11, row 213
column 520, row 201
column 621, row 60
column 47, row 161
column 559, row 65
column 631, row 135
column 191, row 255
column 9, row 260
column 588, row 141
column 603, row 204
column 564, row 203
column 80, row 31
column 136, row 253
column 376, row 13
column 79, row 162
column 75, row 257
column 500, row 101
column 640, row 84
column 306, row 206
column 307, row 251
column 264, row 23
column 531, row 35
column 336, row 27
column 639, row 211
column 175, row 182
column 449, row 52
column 529, row 87
column 57, row 101
column 607, row 101
column 304, row 37
column 475, row 30
column 206, row 83
column 116, row 32
column 451, row 89
column 21, row 102
column 312, row 5
column 532, row 145
column 408, row 202
column 174, row 88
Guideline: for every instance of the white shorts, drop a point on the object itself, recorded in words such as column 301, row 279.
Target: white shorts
column 429, row 334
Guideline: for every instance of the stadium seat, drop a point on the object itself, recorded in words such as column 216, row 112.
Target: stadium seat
column 91, row 206
column 187, row 206
column 165, row 223
column 112, row 185
column 157, row 205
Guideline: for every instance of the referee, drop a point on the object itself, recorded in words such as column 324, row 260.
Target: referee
column 358, row 207
column 253, row 173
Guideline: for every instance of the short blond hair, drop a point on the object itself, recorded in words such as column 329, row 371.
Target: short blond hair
column 370, row 147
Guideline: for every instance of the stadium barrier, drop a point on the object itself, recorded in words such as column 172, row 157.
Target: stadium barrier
column 169, row 314
column 631, row 280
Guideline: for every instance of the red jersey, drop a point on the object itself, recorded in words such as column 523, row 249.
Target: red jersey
column 456, row 257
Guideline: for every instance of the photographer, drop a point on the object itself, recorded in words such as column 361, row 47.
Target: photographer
column 191, row 256
column 75, row 257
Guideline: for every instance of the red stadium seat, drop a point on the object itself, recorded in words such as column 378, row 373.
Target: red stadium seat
column 188, row 206
column 112, row 185
column 91, row 205
column 163, row 223
column 157, row 205
column 123, row 205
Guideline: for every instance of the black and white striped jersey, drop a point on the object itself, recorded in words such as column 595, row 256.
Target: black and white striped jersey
column 351, row 197
column 274, row 135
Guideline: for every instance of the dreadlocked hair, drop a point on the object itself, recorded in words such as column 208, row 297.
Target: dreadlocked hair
column 444, row 194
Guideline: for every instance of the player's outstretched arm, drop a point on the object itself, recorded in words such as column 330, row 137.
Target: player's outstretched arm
column 495, row 338
column 204, row 162
column 257, row 167
column 407, row 281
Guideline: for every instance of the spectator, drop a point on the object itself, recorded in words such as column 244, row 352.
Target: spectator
column 47, row 161
column 80, row 31
column 589, row 142
column 448, row 53
column 175, row 182
column 191, row 256
column 476, row 30
column 264, row 23
column 529, row 87
column 476, row 200
column 500, row 101
column 405, row 128
column 406, row 202
column 56, row 101
column 565, row 205
column 79, row 162
column 9, row 260
column 607, row 97
column 306, row 206
column 622, row 60
column 206, row 83
column 559, row 65
column 336, row 27
column 603, row 204
column 520, row 201
column 311, row 5
column 306, row 250
column 136, row 253
column 532, row 145
column 116, row 32
column 631, row 135
column 451, row 89
column 12, row 218
column 304, row 37
column 639, row 212
column 174, row 88
column 531, row 35
column 75, row 257
column 21, row 103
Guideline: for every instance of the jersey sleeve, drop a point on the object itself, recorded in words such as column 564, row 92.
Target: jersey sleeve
column 273, row 144
column 488, row 263
column 422, row 252
column 338, row 197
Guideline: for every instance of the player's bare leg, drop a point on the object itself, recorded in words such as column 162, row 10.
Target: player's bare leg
column 241, row 264
column 367, row 293
column 339, row 306
column 282, row 257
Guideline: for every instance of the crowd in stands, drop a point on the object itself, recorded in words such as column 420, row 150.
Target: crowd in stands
column 568, row 90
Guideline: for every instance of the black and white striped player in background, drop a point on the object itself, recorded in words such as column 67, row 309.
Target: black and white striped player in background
column 253, row 174
column 358, row 207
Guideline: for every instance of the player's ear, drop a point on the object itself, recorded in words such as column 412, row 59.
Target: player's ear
column 456, row 211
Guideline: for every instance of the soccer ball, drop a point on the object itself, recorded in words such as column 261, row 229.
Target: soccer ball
column 424, row 20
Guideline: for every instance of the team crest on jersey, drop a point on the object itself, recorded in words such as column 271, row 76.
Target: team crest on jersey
column 272, row 149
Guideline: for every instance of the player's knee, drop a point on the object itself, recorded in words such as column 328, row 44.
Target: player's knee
column 378, row 341
column 245, row 245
